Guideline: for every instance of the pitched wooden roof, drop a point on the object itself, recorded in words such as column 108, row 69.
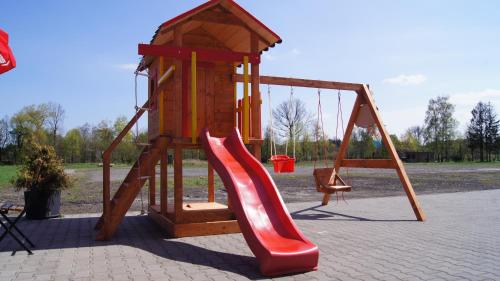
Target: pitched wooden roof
column 225, row 21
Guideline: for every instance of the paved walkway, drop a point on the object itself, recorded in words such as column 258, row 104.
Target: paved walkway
column 368, row 239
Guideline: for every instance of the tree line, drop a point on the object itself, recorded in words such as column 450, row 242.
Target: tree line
column 294, row 129
column 436, row 140
column 42, row 124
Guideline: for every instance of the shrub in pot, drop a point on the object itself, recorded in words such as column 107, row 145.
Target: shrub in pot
column 42, row 178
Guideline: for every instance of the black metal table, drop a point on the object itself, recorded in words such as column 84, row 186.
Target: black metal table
column 10, row 225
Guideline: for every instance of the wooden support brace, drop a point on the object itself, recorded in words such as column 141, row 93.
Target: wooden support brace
column 386, row 140
column 307, row 83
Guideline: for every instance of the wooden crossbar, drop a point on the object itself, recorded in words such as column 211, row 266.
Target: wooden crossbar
column 307, row 83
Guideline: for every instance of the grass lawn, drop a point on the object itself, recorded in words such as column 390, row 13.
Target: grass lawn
column 6, row 173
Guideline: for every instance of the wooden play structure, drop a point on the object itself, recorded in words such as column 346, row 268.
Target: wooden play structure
column 191, row 65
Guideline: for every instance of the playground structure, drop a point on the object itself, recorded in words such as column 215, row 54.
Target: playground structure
column 192, row 103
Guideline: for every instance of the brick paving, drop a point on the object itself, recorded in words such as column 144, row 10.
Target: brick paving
column 366, row 239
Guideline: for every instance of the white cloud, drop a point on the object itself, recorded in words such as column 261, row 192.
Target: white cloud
column 126, row 66
column 402, row 79
column 472, row 98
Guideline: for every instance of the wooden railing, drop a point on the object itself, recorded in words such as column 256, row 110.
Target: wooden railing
column 106, row 162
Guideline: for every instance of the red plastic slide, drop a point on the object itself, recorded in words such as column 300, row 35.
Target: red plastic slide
column 268, row 228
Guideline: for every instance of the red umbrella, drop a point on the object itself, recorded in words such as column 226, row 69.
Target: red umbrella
column 7, row 60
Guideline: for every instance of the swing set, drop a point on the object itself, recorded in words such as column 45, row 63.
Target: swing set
column 364, row 114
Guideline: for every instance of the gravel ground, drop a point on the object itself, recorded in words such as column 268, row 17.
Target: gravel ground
column 86, row 194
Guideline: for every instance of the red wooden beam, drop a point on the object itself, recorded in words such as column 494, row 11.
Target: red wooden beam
column 184, row 53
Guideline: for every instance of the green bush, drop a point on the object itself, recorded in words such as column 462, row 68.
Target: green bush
column 43, row 170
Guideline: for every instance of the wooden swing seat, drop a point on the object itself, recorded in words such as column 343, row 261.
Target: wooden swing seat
column 326, row 181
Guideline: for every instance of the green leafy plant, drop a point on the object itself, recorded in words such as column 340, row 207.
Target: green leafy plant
column 42, row 170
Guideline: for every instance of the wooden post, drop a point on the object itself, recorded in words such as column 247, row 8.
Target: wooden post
column 106, row 201
column 386, row 139
column 211, row 184
column 178, row 192
column 246, row 122
column 152, row 180
column 256, row 99
column 178, row 84
column 235, row 98
column 161, row 99
column 164, row 182
column 194, row 114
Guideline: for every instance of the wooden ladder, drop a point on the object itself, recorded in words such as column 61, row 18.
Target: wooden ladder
column 128, row 191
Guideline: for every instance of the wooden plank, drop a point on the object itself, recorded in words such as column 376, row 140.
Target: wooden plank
column 368, row 163
column 178, row 230
column 307, row 83
column 206, row 228
column 184, row 53
column 386, row 140
column 218, row 17
column 211, row 184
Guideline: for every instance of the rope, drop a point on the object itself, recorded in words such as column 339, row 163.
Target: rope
column 292, row 114
column 272, row 143
column 137, row 141
column 320, row 124
column 340, row 116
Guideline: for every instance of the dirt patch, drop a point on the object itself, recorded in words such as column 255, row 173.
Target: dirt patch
column 86, row 194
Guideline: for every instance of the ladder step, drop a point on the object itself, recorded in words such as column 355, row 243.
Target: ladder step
column 144, row 178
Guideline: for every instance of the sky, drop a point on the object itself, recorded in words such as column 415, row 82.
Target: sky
column 82, row 54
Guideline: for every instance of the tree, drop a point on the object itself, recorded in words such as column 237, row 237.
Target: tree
column 72, row 143
column 440, row 126
column 409, row 142
column 126, row 150
column 4, row 135
column 416, row 133
column 491, row 130
column 291, row 120
column 55, row 117
column 27, row 127
column 102, row 136
column 88, row 151
column 482, row 131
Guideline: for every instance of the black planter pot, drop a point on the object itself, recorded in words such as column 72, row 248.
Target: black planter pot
column 42, row 204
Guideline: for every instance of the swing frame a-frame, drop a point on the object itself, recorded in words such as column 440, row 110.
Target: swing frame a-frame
column 364, row 98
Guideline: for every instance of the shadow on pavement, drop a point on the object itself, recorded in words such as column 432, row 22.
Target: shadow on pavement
column 135, row 231
column 316, row 213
